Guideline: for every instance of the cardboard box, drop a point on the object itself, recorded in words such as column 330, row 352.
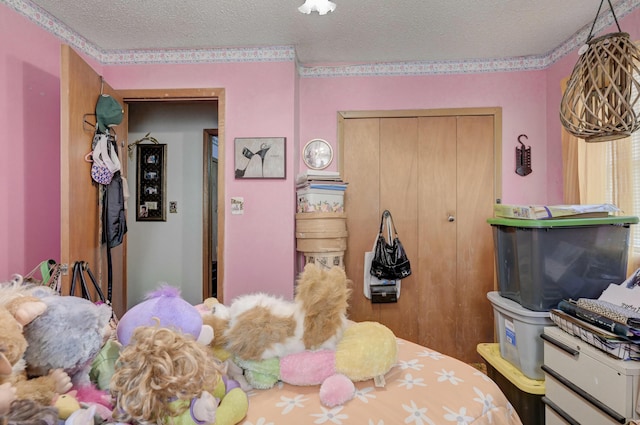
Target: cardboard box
column 320, row 200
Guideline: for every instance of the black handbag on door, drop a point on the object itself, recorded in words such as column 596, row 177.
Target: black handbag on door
column 78, row 277
column 390, row 260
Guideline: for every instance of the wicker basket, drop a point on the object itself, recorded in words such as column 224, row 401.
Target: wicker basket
column 321, row 232
column 321, row 222
column 325, row 244
column 600, row 102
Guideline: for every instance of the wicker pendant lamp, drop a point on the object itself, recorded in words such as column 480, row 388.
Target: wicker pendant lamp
column 601, row 101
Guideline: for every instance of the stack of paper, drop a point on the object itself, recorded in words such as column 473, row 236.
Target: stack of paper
column 610, row 323
column 543, row 212
column 320, row 179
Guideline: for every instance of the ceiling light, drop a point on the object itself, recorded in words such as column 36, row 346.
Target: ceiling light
column 320, row 6
column 602, row 96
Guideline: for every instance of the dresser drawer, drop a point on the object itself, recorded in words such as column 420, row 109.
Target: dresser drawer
column 610, row 382
column 565, row 406
column 552, row 417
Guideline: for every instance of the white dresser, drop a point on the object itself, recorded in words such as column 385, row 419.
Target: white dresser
column 584, row 385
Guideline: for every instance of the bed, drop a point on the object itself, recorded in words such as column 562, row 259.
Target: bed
column 424, row 387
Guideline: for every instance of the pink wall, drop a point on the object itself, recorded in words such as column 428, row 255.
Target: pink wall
column 519, row 94
column 30, row 145
column 262, row 99
column 260, row 244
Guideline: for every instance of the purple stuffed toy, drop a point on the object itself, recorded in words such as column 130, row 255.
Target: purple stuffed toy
column 164, row 307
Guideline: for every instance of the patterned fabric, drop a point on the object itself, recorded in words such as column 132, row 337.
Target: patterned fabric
column 423, row 388
column 610, row 310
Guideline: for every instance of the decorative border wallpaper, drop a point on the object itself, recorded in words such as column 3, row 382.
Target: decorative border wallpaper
column 287, row 53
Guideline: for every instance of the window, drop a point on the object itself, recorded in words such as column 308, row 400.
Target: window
column 607, row 172
column 613, row 192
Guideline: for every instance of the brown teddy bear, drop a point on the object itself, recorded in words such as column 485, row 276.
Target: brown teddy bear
column 14, row 315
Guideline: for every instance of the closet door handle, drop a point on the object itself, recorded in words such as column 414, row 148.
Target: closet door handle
column 451, row 218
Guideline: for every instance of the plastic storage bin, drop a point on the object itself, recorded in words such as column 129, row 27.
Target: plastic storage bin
column 518, row 330
column 524, row 394
column 541, row 262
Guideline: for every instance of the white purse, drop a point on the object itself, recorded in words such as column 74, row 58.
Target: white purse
column 105, row 160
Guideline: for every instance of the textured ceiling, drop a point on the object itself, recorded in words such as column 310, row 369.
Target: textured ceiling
column 358, row 31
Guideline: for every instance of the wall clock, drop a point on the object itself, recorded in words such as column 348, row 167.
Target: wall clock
column 317, row 154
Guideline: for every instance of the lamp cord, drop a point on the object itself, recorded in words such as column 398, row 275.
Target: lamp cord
column 596, row 19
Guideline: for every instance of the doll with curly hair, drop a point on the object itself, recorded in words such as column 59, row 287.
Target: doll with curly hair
column 165, row 377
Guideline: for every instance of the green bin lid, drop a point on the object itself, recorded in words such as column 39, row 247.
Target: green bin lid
column 562, row 222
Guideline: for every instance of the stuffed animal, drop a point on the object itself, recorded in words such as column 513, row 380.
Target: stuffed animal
column 29, row 412
column 7, row 396
column 68, row 336
column 66, row 404
column 262, row 326
column 16, row 313
column 367, row 350
column 166, row 377
column 73, row 411
column 216, row 315
column 166, row 307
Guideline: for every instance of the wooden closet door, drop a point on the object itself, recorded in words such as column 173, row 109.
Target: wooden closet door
column 436, row 175
column 475, row 264
column 362, row 204
column 437, row 254
column 382, row 158
column 399, row 194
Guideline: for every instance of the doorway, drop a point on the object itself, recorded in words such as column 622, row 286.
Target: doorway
column 80, row 85
column 178, row 250
column 210, row 159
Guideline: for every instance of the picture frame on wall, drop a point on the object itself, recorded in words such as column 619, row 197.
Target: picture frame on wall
column 260, row 157
column 151, row 182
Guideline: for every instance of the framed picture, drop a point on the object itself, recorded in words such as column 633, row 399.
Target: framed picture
column 151, row 182
column 260, row 158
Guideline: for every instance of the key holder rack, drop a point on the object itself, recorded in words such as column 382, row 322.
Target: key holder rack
column 523, row 158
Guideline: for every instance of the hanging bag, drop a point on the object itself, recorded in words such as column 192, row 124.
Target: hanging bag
column 80, row 268
column 105, row 160
column 78, row 277
column 390, row 260
column 379, row 290
column 49, row 271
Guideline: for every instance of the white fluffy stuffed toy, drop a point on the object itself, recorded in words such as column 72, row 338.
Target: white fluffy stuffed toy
column 262, row 326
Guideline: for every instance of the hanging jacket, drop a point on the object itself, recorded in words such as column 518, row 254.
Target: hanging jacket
column 114, row 222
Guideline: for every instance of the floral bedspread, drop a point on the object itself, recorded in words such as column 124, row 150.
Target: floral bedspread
column 424, row 387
